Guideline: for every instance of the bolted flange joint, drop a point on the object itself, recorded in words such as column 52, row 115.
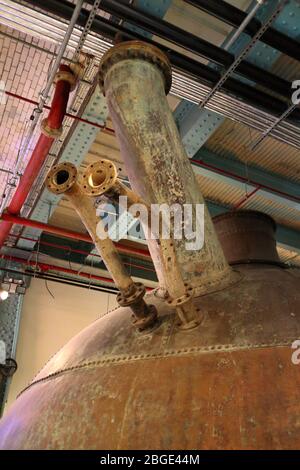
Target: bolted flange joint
column 136, row 50
column 99, row 178
column 49, row 131
column 144, row 315
column 66, row 76
column 186, row 310
column 61, row 178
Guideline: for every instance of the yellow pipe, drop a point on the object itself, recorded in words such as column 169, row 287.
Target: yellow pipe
column 62, row 179
column 101, row 178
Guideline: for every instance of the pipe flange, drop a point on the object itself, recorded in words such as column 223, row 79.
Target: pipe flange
column 191, row 325
column 64, row 75
column 98, row 178
column 125, row 300
column 148, row 321
column 78, row 70
column 49, row 131
column 84, row 60
column 181, row 300
column 61, row 177
column 136, row 50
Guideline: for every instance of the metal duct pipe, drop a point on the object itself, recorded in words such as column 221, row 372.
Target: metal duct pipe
column 51, row 129
column 62, row 232
column 102, row 178
column 62, row 179
column 44, row 267
column 135, row 78
column 62, row 280
column 244, row 24
column 66, row 247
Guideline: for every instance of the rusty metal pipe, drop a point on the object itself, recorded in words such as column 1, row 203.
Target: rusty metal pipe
column 62, row 179
column 101, row 178
column 135, row 78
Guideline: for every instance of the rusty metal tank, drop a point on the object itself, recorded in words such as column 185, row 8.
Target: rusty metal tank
column 228, row 382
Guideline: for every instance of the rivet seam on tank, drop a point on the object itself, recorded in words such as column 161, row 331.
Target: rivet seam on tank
column 162, row 355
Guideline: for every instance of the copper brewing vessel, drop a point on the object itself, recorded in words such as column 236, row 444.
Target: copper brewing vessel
column 227, row 383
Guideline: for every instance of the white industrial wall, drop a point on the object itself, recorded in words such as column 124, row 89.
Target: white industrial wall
column 47, row 323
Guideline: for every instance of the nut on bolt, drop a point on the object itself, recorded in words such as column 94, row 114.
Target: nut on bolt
column 144, row 315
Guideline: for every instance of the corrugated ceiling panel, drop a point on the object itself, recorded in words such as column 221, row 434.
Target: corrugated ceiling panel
column 280, row 213
column 233, row 140
column 220, row 192
column 287, row 68
column 288, row 256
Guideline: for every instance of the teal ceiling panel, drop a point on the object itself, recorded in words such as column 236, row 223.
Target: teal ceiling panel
column 197, row 125
column 154, row 7
column 75, row 150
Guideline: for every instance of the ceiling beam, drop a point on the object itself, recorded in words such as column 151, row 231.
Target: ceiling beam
column 233, row 172
column 197, row 125
column 193, row 67
column 234, row 17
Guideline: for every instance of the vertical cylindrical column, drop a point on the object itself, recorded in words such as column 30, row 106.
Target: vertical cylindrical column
column 135, row 78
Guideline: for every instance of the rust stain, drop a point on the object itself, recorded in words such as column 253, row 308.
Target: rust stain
column 226, row 384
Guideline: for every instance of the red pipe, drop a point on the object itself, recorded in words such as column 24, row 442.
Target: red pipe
column 35, row 163
column 13, row 219
column 72, row 116
column 194, row 161
column 51, row 267
column 243, row 179
column 60, row 101
column 68, row 249
column 38, row 157
column 246, row 198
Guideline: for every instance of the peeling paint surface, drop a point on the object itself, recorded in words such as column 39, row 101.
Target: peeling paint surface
column 135, row 81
